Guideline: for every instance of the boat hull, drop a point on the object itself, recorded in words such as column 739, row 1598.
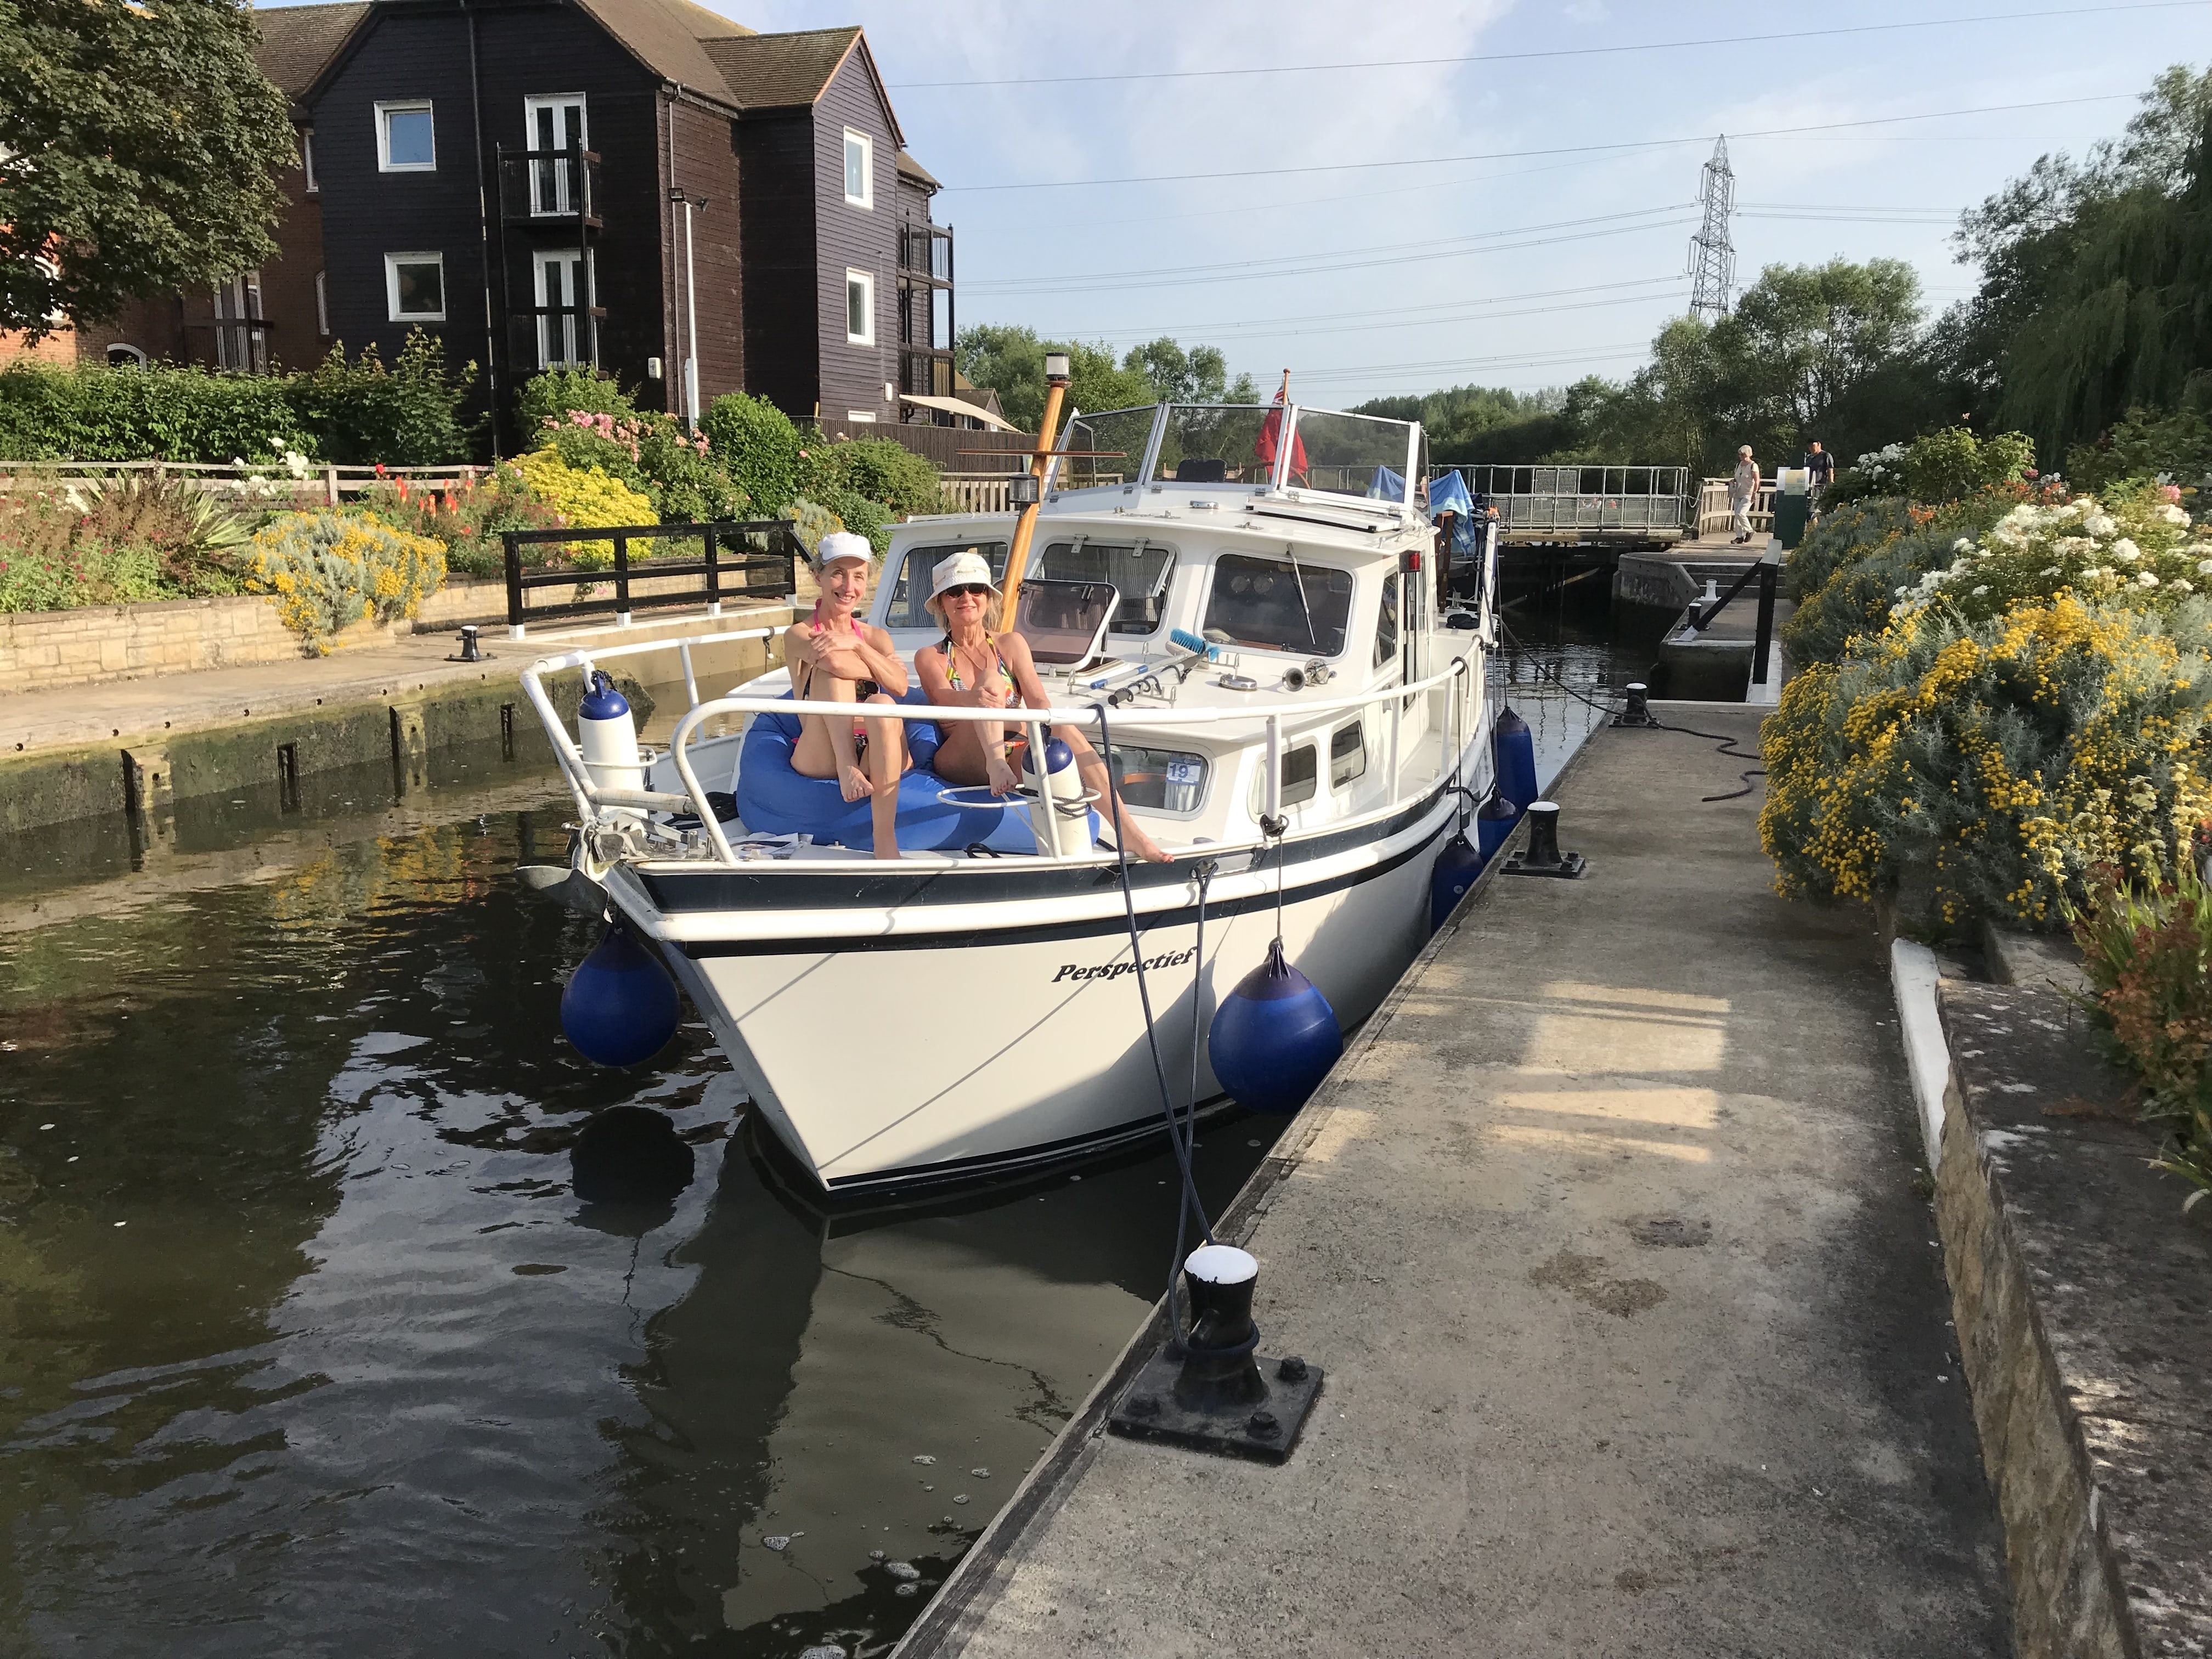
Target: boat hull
column 955, row 1048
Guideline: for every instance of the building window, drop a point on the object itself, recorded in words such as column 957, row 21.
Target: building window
column 415, row 286
column 125, row 356
column 861, row 416
column 859, row 169
column 554, row 122
column 322, row 304
column 241, row 341
column 563, row 282
column 307, row 158
column 859, row 308
column 405, row 141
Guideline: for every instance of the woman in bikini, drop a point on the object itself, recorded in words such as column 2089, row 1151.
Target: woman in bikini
column 974, row 668
column 835, row 657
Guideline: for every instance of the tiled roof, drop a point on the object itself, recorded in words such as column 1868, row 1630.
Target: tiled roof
column 779, row 71
column 915, row 171
column 674, row 39
column 296, row 41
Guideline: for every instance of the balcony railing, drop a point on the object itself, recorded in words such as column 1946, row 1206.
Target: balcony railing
column 555, row 188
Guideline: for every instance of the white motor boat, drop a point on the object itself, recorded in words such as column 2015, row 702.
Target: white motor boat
column 1293, row 713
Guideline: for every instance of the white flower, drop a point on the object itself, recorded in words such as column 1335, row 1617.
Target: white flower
column 296, row 463
column 2075, row 546
column 2146, row 579
column 2124, row 549
column 2050, row 570
column 2100, row 524
column 2182, row 585
column 2091, row 573
column 1903, row 593
column 1983, row 589
column 1962, row 545
column 2172, row 514
column 2204, row 566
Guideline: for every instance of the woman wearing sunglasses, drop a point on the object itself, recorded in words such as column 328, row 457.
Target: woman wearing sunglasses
column 974, row 668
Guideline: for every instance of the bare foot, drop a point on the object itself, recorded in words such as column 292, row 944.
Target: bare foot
column 855, row 784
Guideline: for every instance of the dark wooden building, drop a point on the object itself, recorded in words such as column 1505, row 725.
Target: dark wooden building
column 633, row 183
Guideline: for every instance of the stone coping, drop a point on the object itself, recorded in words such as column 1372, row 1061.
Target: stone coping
column 2084, row 1309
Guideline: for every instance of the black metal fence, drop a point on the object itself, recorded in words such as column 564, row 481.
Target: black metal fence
column 757, row 558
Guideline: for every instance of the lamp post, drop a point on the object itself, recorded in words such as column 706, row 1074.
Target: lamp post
column 1017, row 555
column 678, row 193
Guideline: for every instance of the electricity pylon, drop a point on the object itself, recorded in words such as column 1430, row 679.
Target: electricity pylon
column 1712, row 256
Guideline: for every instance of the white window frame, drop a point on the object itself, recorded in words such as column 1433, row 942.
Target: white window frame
column 307, row 159
column 385, row 108
column 323, row 303
column 866, row 200
column 547, row 326
column 866, row 279
column 565, row 186
column 138, row 356
column 861, row 416
column 391, row 263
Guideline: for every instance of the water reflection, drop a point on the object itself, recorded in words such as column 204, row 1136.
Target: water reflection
column 308, row 1343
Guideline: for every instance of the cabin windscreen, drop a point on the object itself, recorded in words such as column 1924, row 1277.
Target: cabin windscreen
column 1278, row 604
column 917, row 576
column 1351, row 455
column 1217, row 444
column 1108, row 448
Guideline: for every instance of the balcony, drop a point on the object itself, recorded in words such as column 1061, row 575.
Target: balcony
column 555, row 189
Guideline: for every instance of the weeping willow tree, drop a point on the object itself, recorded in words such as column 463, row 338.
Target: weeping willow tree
column 2097, row 289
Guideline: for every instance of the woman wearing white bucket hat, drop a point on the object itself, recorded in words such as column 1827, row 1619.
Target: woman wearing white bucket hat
column 835, row 657
column 972, row 668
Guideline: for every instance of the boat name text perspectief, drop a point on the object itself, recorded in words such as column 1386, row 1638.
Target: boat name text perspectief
column 1115, row 969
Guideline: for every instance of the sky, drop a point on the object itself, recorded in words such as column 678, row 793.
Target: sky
column 1548, row 259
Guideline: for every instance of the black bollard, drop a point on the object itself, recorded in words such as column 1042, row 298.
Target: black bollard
column 1542, row 856
column 1213, row 1391
column 1638, row 712
column 471, row 650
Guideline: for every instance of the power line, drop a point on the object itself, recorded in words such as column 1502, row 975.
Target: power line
column 1236, row 334
column 1254, row 267
column 1524, row 57
column 1539, row 360
column 1408, row 313
column 1518, row 154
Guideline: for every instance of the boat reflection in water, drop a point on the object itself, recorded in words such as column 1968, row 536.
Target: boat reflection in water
column 361, row 1371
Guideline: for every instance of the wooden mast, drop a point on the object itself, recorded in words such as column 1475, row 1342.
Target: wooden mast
column 1017, row 555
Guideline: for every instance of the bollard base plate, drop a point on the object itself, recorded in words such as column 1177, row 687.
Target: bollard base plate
column 1148, row 1410
column 1570, row 865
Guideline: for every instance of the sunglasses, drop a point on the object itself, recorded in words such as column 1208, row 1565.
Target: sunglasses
column 969, row 592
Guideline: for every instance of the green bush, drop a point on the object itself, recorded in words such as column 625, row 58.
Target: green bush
column 551, row 395
column 880, row 469
column 2146, row 444
column 758, row 447
column 362, row 414
column 468, row 515
column 1847, row 574
column 127, row 540
column 1952, row 464
column 861, row 516
column 329, row 569
column 651, row 453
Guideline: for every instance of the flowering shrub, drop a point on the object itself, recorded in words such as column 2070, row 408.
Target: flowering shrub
column 468, row 515
column 652, row 454
column 812, row 523
column 1982, row 766
column 1845, row 575
column 583, row 499
column 330, row 569
column 2137, row 548
column 2147, row 948
column 1938, row 466
column 128, row 539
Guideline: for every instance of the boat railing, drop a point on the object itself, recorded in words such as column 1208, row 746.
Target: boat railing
column 1396, row 698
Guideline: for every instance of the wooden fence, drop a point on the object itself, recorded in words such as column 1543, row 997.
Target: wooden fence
column 987, row 492
column 326, row 484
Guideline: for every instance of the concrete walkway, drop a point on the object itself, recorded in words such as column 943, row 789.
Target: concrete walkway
column 1635, row 1329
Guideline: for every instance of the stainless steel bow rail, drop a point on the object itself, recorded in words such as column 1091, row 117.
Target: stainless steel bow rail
column 1461, row 716
column 729, row 557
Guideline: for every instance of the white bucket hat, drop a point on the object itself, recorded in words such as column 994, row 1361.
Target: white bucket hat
column 842, row 545
column 964, row 570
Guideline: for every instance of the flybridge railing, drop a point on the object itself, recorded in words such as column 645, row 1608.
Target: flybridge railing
column 594, row 802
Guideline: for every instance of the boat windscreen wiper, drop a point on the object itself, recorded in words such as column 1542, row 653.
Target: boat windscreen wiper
column 1298, row 577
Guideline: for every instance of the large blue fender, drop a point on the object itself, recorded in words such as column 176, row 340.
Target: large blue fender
column 775, row 799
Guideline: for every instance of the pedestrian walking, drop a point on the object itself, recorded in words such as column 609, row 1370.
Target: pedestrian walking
column 1820, row 468
column 1744, row 490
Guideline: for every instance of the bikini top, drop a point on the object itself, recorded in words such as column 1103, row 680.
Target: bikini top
column 952, row 664
column 866, row 689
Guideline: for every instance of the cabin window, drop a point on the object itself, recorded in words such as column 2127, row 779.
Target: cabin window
column 1139, row 574
column 1301, row 770
column 1385, row 622
column 859, row 169
column 859, row 308
column 125, row 356
column 1165, row 780
column 1279, row 604
column 917, row 575
column 406, row 141
column 563, row 279
column 554, row 125
column 1348, row 754
column 323, row 304
column 415, row 287
column 307, row 159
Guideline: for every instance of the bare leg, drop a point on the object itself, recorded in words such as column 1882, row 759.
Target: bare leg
column 1099, row 781
column 850, row 778
column 886, row 765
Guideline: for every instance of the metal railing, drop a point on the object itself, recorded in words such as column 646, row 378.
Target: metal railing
column 1460, row 712
column 989, row 492
column 666, row 581
column 1700, row 614
column 1582, row 502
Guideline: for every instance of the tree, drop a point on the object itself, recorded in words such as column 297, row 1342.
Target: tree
column 1199, row 376
column 139, row 146
column 1008, row 358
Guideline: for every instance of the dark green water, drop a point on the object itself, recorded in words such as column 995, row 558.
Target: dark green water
column 307, row 1347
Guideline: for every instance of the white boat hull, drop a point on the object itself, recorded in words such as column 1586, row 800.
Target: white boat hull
column 984, row 1036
